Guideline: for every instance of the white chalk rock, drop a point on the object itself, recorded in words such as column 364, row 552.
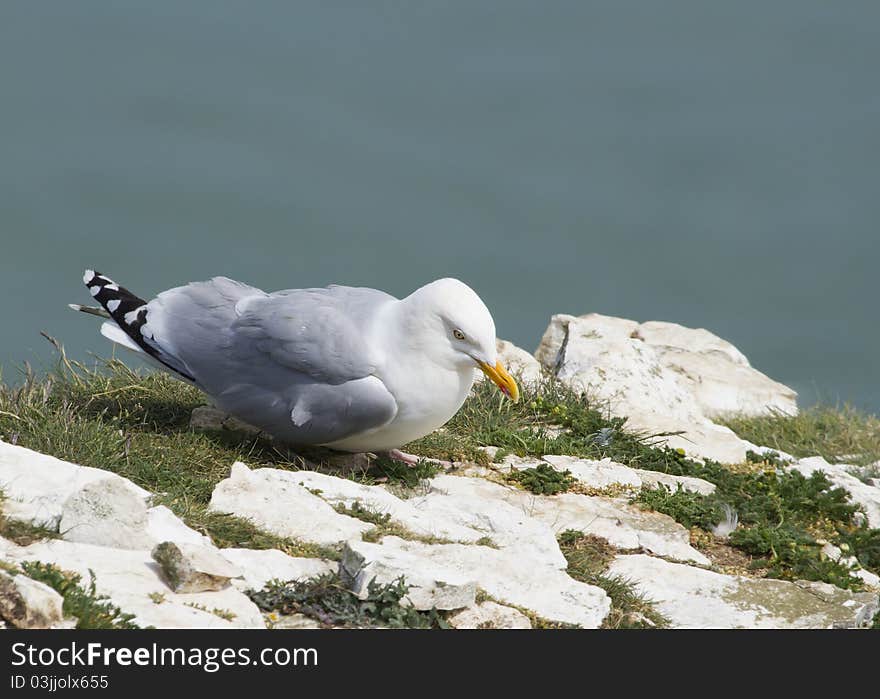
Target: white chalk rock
column 28, row 604
column 866, row 495
column 664, row 378
column 621, row 524
column 494, row 511
column 607, row 473
column 508, row 575
column 530, row 523
column 273, row 502
column 717, row 373
column 431, row 585
column 700, row 599
column 106, row 512
column 260, row 566
column 489, row 615
column 407, row 513
column 86, row 505
column 598, row 354
column 133, row 582
column 36, row 486
column 600, row 474
column 164, row 525
column 655, row 479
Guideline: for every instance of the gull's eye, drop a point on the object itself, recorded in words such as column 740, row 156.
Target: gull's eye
column 458, row 334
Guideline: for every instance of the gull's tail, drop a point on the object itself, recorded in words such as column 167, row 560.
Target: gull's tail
column 128, row 320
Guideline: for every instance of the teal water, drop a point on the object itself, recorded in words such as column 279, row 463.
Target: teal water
column 713, row 164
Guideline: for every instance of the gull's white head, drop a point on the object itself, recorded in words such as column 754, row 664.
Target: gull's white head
column 451, row 325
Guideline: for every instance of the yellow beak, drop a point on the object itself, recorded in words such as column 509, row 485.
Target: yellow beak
column 502, row 379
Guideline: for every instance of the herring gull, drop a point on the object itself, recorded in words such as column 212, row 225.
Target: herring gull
column 349, row 368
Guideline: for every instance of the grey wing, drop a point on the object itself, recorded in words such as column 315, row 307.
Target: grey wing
column 293, row 363
column 312, row 412
column 319, row 332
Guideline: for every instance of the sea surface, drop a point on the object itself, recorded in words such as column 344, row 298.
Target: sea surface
column 711, row 164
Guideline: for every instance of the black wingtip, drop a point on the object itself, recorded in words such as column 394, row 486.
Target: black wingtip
column 128, row 311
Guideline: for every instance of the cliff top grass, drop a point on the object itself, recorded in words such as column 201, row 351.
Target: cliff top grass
column 838, row 434
column 137, row 425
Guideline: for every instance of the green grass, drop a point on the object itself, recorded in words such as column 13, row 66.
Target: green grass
column 685, row 507
column 327, row 600
column 588, row 556
column 92, row 611
column 840, row 435
column 383, row 525
column 542, row 480
column 22, row 533
column 783, row 519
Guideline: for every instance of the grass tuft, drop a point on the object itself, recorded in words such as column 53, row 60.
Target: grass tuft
column 542, row 480
column 22, row 533
column 92, row 611
column 327, row 600
column 588, row 556
column 838, row 434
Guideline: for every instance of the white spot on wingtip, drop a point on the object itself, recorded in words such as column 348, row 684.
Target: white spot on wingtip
column 113, row 305
column 131, row 316
column 88, row 276
column 95, row 290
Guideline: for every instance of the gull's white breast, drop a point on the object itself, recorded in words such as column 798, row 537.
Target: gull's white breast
column 427, row 397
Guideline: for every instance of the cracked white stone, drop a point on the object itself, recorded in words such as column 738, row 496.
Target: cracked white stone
column 489, row 615
column 106, row 512
column 430, row 585
column 408, row 513
column 273, row 502
column 36, row 485
column 86, row 505
column 607, row 473
column 542, row 518
column 164, row 525
column 258, row 567
column 494, row 512
column 596, row 474
column 701, row 599
column 508, row 575
column 664, row 378
column 133, row 582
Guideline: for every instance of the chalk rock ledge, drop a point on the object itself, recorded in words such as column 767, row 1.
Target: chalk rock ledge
column 693, row 598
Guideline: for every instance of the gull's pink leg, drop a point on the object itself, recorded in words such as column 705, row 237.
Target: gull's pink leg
column 413, row 460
